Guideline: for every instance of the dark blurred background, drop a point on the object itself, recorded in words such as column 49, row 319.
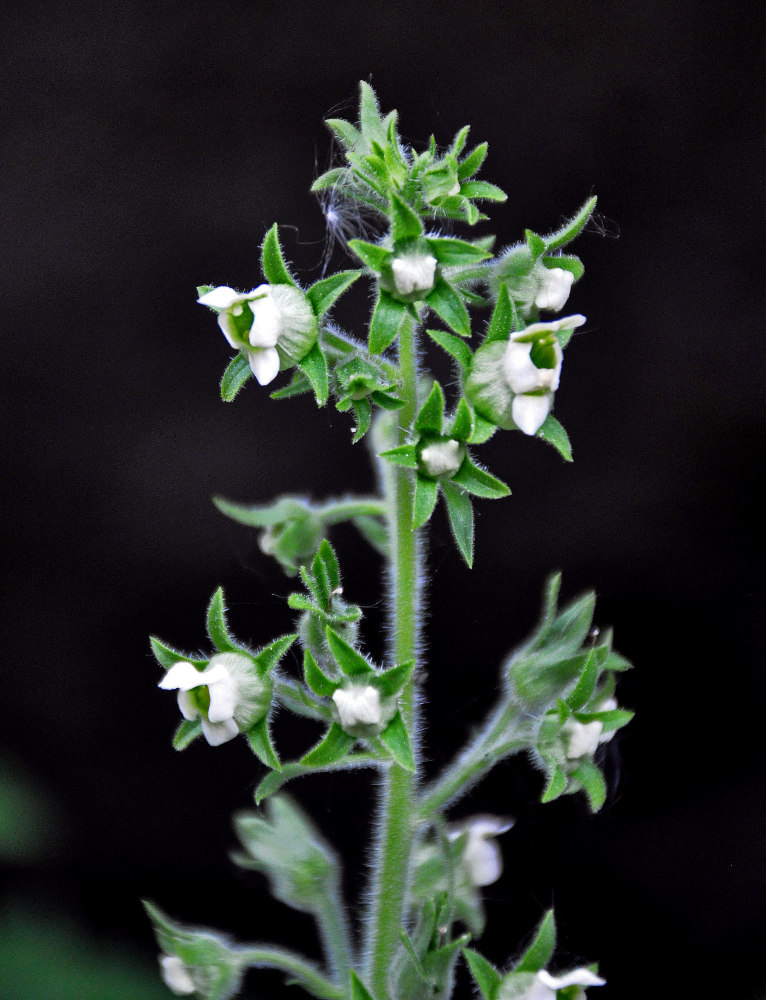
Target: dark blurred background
column 148, row 147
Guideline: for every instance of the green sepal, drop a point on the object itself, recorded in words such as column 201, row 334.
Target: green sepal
column 404, row 454
column 396, row 738
column 462, row 422
column 502, row 317
column 203, row 290
column 460, row 512
column 369, row 114
column 615, row 661
column 390, row 682
column 328, row 179
column 386, row 320
column 333, row 746
column 347, row 133
column 167, row 657
column 487, row 977
column 611, row 721
column 386, row 400
column 371, row 254
column 482, row 430
column 188, row 731
column 325, row 292
column 217, row 626
column 426, row 495
column 451, row 252
column 315, row 677
column 351, row 663
column 455, row 347
column 363, row 414
column 567, row 262
column 430, row 418
column 297, row 386
column 314, row 367
column 552, row 432
column 358, row 990
column 270, row 655
column 406, row 224
column 572, row 228
column 540, row 951
column 273, row 263
column 586, row 685
column 593, row 784
column 274, row 780
column 458, row 143
column 482, row 191
column 448, row 306
column 472, row 163
column 557, row 785
column 259, row 739
column 536, row 244
column 233, row 379
column 479, row 482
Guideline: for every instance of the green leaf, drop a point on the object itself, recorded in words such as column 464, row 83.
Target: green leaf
column 397, row 740
column 567, row 263
column 487, row 977
column 448, row 306
column 482, row 191
column 272, row 262
column 502, row 317
column 453, row 346
column 472, row 163
column 166, row 656
column 557, row 785
column 406, row 224
column 430, row 418
column 386, row 320
column 324, row 293
column 217, row 627
column 352, row 663
column 363, row 414
column 328, row 179
column 270, row 655
column 426, row 495
column 369, row 114
column 391, row 681
column 458, row 143
column 572, row 228
column 479, row 482
column 611, row 721
column 326, row 553
column 460, row 513
column 259, row 739
column 314, row 366
column 482, row 430
column 348, row 134
column 462, row 422
column 188, row 731
column 316, row 679
column 592, row 781
column 358, row 990
column 452, row 252
column 540, row 951
column 535, row 243
column 297, row 386
column 371, row 254
column 586, row 685
column 235, row 376
column 333, row 746
column 404, row 455
column 552, row 432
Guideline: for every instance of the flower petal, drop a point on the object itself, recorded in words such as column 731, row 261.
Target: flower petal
column 176, row 976
column 222, row 297
column 183, row 676
column 188, row 709
column 577, row 977
column 583, row 738
column 358, row 703
column 223, row 699
column 228, row 329
column 264, row 363
column 266, row 322
column 529, row 412
column 217, row 733
column 555, row 287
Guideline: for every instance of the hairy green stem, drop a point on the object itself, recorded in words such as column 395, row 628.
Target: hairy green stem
column 333, row 928
column 397, row 803
column 297, row 967
column 337, row 511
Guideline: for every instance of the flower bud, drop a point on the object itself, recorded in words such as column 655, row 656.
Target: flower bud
column 441, row 458
column 361, row 710
column 555, row 286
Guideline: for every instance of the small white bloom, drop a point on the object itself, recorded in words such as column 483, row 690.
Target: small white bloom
column 414, row 273
column 583, row 738
column 482, row 856
column 529, row 412
column 441, row 458
column 523, row 375
column 260, row 344
column 358, row 703
column 218, row 724
column 175, row 975
column 554, row 289
column 546, row 986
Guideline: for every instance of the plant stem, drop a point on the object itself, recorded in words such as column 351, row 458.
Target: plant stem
column 297, row 967
column 397, row 800
column 331, row 921
column 344, row 510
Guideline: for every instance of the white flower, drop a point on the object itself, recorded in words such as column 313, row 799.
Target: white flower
column 482, row 856
column 546, row 986
column 358, row 703
column 583, row 738
column 260, row 341
column 219, row 677
column 175, row 975
column 441, row 458
column 414, row 273
column 556, row 284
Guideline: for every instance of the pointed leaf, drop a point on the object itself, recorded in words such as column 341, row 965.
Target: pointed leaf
column 348, row 134
column 391, row 681
column 572, row 228
column 479, row 482
column 586, row 685
column 451, row 252
column 482, row 191
column 592, row 781
column 217, row 627
column 371, row 254
column 404, row 454
column 314, row 366
column 552, row 432
column 270, row 655
column 324, row 293
column 275, row 779
column 352, row 663
column 297, row 386
column 327, row 555
column 363, row 414
column 272, row 262
column 189, row 730
column 540, row 951
column 397, row 740
column 500, row 325
column 487, row 977
column 235, row 377
column 259, row 739
column 426, row 495
column 430, row 419
column 453, row 346
column 369, row 113
column 315, row 677
column 460, row 511
column 333, row 746
column 328, row 179
column 611, row 721
column 482, row 430
column 448, row 305
column 535, row 243
column 406, row 224
column 166, row 656
column 458, row 143
column 358, row 990
column 386, row 320
column 557, row 785
column 462, row 422
column 472, row 163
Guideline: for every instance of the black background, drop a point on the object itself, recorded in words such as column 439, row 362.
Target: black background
column 147, row 149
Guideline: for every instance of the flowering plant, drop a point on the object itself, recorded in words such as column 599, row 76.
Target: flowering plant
column 557, row 701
